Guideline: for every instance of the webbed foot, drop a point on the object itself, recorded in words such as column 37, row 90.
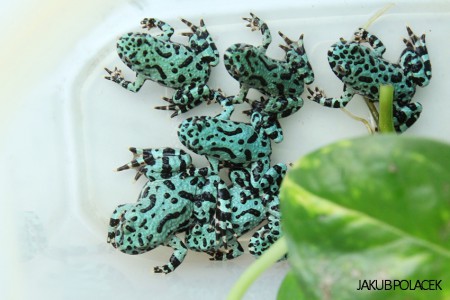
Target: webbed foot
column 115, row 75
column 254, row 22
column 148, row 23
column 234, row 251
column 316, row 95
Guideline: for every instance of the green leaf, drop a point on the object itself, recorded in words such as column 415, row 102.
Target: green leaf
column 290, row 288
column 371, row 208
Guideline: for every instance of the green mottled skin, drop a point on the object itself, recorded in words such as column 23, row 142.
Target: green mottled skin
column 281, row 80
column 362, row 69
column 232, row 144
column 175, row 197
column 174, row 65
column 250, row 206
column 180, row 198
column 245, row 149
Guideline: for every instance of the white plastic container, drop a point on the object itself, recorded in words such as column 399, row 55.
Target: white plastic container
column 65, row 128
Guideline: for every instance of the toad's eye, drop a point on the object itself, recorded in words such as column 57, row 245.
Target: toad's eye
column 343, row 70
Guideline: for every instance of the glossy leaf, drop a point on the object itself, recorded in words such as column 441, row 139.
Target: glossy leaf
column 374, row 208
column 290, row 288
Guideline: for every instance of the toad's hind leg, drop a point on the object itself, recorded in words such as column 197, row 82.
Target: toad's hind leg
column 268, row 234
column 415, row 59
column 167, row 30
column 295, row 55
column 271, row 180
column 187, row 98
column 201, row 41
column 223, row 214
column 234, row 250
column 405, row 116
column 362, row 35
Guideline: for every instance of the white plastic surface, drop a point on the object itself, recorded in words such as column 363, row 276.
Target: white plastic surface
column 65, row 129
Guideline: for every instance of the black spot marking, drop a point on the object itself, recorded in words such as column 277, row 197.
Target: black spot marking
column 151, row 205
column 143, row 223
column 186, row 62
column 223, row 149
column 253, row 138
column 165, row 55
column 129, row 228
column 230, row 133
column 248, row 155
column 114, row 222
column 365, row 79
column 396, row 78
column 169, row 184
column 251, row 211
column 373, row 90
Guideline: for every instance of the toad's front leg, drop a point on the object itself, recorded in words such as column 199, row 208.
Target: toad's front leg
column 117, row 77
column 241, row 96
column 318, row 96
column 256, row 23
column 405, row 116
column 177, row 257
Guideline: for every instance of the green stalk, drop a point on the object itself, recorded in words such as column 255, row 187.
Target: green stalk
column 269, row 257
column 386, row 123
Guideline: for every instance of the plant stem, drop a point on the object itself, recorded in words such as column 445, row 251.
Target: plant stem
column 377, row 15
column 373, row 110
column 364, row 121
column 386, row 123
column 269, row 257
